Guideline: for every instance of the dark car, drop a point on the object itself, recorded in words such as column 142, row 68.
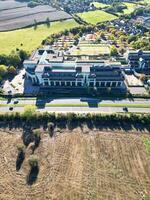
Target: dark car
column 16, row 101
column 125, row 109
column 11, row 108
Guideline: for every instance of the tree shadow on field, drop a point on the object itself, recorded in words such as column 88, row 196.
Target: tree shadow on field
column 27, row 135
column 32, row 176
column 20, row 159
column 36, row 144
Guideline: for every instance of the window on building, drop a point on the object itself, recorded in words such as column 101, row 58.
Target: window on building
column 103, row 84
column 119, row 84
column 57, row 83
column 73, row 84
column 79, row 84
column 108, row 84
column 97, row 84
column 113, row 84
column 68, row 83
column 63, row 83
column 46, row 82
column 52, row 83
column 91, row 84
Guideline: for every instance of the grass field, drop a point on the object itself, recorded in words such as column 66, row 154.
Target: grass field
column 92, row 50
column 96, row 16
column 77, row 164
column 130, row 7
column 29, row 37
column 99, row 5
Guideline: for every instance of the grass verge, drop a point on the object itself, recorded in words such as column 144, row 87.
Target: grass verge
column 83, row 105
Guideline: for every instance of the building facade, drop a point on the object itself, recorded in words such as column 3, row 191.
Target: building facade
column 139, row 60
column 50, row 69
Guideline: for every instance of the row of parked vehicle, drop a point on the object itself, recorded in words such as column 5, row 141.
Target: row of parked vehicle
column 15, row 101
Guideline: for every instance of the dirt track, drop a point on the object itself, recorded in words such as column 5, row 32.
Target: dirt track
column 78, row 165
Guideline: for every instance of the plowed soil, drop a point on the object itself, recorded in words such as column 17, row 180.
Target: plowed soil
column 77, row 165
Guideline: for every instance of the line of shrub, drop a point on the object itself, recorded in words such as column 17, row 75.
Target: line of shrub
column 44, row 118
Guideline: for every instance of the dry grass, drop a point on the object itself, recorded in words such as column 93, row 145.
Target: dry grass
column 77, row 165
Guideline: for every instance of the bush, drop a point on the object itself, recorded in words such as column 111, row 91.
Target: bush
column 51, row 128
column 3, row 70
column 20, row 147
column 29, row 111
column 33, row 161
column 37, row 137
column 12, row 70
column 113, row 51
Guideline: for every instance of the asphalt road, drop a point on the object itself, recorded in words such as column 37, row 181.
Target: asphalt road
column 80, row 109
column 92, row 105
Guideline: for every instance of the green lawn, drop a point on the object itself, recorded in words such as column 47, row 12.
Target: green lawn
column 92, row 50
column 99, row 5
column 96, row 16
column 85, row 105
column 130, row 7
column 29, row 37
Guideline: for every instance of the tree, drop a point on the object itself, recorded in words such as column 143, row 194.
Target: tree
column 23, row 55
column 20, row 148
column 113, row 51
column 29, row 111
column 35, row 24
column 11, row 70
column 143, row 77
column 132, row 38
column 3, row 70
column 33, row 161
column 37, row 137
column 14, row 59
column 122, row 50
column 20, row 157
column 51, row 128
column 48, row 22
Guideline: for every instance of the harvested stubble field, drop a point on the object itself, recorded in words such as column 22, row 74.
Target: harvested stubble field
column 78, row 164
column 19, row 15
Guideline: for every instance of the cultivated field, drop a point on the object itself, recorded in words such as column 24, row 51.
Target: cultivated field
column 29, row 38
column 99, row 5
column 93, row 17
column 10, row 4
column 77, row 165
column 18, row 15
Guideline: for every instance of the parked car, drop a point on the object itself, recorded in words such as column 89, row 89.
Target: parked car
column 11, row 108
column 125, row 109
column 9, row 92
column 16, row 101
